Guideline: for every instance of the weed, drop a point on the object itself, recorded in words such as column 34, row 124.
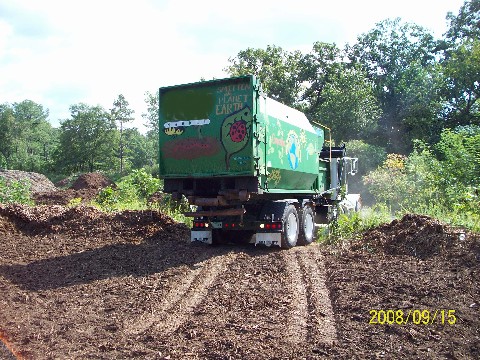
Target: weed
column 15, row 191
column 354, row 224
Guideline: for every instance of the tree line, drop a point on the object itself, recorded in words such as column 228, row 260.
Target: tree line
column 91, row 139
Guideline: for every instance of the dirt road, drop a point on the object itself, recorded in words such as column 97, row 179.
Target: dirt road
column 77, row 283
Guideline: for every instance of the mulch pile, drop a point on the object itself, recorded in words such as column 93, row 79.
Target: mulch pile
column 412, row 265
column 86, row 187
column 39, row 183
column 86, row 221
column 91, row 181
column 414, row 235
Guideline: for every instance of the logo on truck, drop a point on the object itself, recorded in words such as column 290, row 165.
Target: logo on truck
column 235, row 132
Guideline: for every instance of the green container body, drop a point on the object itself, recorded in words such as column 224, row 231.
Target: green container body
column 229, row 128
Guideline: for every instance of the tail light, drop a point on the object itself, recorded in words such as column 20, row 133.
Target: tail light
column 200, row 224
column 271, row 226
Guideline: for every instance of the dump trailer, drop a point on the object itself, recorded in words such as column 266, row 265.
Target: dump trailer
column 252, row 169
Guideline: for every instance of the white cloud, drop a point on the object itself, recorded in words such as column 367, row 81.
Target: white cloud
column 59, row 53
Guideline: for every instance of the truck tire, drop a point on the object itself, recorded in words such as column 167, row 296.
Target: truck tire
column 307, row 226
column 290, row 227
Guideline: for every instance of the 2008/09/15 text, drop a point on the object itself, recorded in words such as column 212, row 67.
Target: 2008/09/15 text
column 417, row 317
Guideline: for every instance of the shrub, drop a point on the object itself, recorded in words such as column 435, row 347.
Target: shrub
column 74, row 202
column 440, row 181
column 14, row 191
column 388, row 184
column 144, row 183
column 134, row 192
column 352, row 225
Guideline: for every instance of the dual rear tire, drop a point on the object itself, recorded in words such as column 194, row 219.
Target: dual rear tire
column 307, row 226
column 297, row 229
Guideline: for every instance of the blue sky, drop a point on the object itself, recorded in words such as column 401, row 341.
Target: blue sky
column 59, row 53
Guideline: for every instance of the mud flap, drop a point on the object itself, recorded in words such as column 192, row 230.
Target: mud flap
column 268, row 239
column 204, row 236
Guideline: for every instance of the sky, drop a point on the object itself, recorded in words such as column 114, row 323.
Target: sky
column 59, row 53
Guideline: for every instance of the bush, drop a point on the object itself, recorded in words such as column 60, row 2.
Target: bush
column 388, row 184
column 352, row 225
column 15, row 191
column 441, row 181
column 144, row 183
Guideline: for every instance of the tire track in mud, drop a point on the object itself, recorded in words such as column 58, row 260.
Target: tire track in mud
column 298, row 317
column 311, row 314
column 177, row 305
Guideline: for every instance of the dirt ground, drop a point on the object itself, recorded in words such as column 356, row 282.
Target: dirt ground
column 76, row 283
column 85, row 187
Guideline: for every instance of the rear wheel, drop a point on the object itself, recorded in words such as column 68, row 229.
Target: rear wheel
column 290, row 227
column 307, row 226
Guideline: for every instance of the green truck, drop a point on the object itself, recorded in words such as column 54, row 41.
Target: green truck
column 254, row 170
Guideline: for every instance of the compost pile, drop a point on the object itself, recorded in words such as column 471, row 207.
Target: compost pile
column 39, row 183
column 86, row 187
column 84, row 222
column 414, row 235
column 78, row 283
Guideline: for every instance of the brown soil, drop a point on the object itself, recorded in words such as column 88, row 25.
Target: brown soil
column 77, row 283
column 91, row 181
column 86, row 187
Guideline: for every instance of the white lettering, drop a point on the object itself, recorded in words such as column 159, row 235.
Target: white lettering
column 197, row 122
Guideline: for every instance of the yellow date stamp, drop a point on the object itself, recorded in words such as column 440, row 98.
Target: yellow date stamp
column 413, row 316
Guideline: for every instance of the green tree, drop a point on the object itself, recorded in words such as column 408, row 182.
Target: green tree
column 466, row 24
column 122, row 114
column 151, row 116
column 462, row 88
column 87, row 140
column 151, row 121
column 348, row 106
column 461, row 66
column 7, row 123
column 27, row 139
column 397, row 57
column 277, row 69
column 421, row 102
column 318, row 69
column 136, row 150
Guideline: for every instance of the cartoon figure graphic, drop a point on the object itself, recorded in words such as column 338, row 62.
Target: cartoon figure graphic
column 174, row 131
column 310, row 150
column 235, row 132
column 293, row 149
